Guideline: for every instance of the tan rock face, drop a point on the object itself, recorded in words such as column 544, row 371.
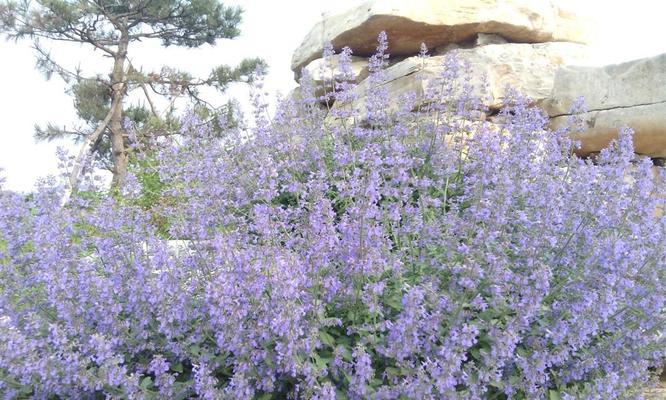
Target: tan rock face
column 529, row 68
column 323, row 72
column 437, row 23
column 638, row 82
column 648, row 123
column 631, row 94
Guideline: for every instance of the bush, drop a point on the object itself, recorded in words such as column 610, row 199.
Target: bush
column 398, row 254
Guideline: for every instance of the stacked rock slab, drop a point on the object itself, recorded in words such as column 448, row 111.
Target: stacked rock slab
column 529, row 68
column 507, row 42
column 533, row 46
column 631, row 94
column 437, row 23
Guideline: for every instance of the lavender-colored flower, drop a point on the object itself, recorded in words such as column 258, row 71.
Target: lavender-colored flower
column 403, row 253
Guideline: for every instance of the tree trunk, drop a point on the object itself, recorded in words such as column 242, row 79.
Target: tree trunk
column 116, row 129
column 84, row 152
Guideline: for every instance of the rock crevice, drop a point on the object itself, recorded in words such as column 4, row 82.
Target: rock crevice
column 608, row 109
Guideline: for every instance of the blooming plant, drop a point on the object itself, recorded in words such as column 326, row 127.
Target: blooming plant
column 394, row 252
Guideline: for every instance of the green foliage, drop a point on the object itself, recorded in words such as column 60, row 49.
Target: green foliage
column 113, row 28
column 139, row 114
column 151, row 185
column 244, row 72
column 92, row 99
column 183, row 23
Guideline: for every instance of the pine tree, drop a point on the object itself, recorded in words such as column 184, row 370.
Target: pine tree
column 113, row 27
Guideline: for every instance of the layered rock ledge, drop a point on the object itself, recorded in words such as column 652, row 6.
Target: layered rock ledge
column 631, row 94
column 525, row 44
column 437, row 23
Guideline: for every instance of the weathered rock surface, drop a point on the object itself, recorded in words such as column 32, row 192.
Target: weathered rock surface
column 437, row 23
column 483, row 39
column 658, row 393
column 634, row 83
column 323, row 72
column 523, row 44
column 631, row 94
column 647, row 121
column 529, row 68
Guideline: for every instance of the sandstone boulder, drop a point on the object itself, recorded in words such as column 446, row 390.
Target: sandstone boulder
column 437, row 23
column 631, row 94
column 323, row 72
column 602, row 126
column 638, row 82
column 529, row 68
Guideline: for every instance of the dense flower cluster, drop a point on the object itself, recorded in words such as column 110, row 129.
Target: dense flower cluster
column 410, row 252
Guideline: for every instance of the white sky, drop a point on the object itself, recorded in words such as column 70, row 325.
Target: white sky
column 271, row 29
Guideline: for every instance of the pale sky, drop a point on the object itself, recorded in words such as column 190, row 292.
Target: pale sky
column 271, row 29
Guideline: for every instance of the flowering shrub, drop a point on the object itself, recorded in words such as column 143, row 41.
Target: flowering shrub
column 404, row 253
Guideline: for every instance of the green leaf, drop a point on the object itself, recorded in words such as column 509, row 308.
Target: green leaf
column 343, row 340
column 326, row 338
column 521, row 351
column 346, row 353
column 321, row 362
column 375, row 383
column 269, row 362
column 488, row 315
column 341, row 394
column 146, row 383
column 554, row 395
column 177, row 367
column 195, row 350
column 475, row 353
column 394, row 301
